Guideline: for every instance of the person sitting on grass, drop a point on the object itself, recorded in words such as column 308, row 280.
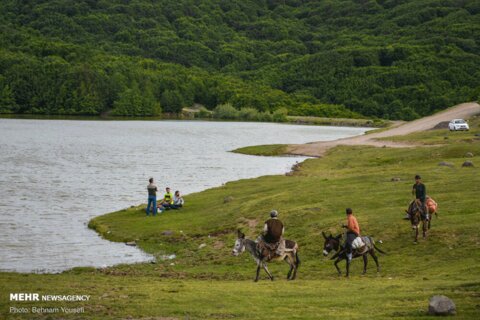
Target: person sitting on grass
column 167, row 200
column 177, row 201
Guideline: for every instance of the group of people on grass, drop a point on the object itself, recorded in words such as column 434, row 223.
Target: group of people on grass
column 169, row 200
column 273, row 231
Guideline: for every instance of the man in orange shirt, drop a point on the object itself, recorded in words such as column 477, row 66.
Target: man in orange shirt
column 353, row 231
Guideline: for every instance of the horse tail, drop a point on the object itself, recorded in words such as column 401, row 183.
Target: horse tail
column 379, row 250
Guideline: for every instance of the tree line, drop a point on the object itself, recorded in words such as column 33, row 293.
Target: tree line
column 388, row 58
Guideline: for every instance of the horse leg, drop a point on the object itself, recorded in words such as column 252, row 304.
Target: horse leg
column 258, row 272
column 424, row 229
column 295, row 263
column 365, row 262
column 291, row 263
column 266, row 270
column 416, row 234
column 347, row 268
column 336, row 266
column 291, row 267
column 374, row 256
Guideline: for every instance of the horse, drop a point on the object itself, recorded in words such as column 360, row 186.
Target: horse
column 417, row 214
column 333, row 244
column 290, row 255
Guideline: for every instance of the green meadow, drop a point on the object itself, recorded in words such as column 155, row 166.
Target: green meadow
column 205, row 281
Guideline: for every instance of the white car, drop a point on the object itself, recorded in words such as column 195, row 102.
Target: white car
column 458, row 124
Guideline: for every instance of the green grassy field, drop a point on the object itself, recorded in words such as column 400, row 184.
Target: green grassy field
column 264, row 150
column 208, row 282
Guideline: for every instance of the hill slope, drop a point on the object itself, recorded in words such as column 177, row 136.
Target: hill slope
column 391, row 59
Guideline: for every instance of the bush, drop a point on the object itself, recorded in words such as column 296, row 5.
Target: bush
column 249, row 114
column 225, row 111
column 204, row 113
column 280, row 115
column 265, row 116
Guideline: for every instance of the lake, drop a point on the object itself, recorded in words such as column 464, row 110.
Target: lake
column 58, row 174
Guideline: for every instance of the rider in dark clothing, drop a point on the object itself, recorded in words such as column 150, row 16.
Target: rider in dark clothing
column 273, row 232
column 273, row 229
column 420, row 192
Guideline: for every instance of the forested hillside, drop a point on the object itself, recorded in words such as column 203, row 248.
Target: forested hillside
column 396, row 59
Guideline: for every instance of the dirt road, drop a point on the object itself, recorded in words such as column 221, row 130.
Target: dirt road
column 318, row 149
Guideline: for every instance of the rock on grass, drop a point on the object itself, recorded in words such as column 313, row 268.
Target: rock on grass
column 227, row 199
column 441, row 306
column 468, row 164
column 445, row 164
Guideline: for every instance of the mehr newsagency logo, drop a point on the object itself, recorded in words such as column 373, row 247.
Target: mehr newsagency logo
column 36, row 297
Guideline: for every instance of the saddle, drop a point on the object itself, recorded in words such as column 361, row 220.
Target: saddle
column 361, row 245
column 268, row 250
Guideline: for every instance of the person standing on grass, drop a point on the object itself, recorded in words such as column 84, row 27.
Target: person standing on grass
column 353, row 231
column 152, row 197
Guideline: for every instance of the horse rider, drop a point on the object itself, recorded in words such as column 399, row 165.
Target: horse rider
column 272, row 236
column 420, row 192
column 353, row 231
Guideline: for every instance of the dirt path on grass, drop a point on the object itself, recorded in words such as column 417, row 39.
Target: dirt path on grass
column 318, row 149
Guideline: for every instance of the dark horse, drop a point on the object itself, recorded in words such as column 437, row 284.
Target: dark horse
column 333, row 244
column 418, row 214
column 290, row 255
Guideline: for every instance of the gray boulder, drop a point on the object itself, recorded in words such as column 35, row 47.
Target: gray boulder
column 227, row 199
column 167, row 233
column 441, row 306
column 395, row 179
column 445, row 164
column 469, row 155
column 468, row 164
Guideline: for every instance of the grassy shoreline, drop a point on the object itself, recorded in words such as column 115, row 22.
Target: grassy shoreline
column 207, row 282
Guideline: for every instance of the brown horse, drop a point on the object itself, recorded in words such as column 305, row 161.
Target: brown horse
column 417, row 214
column 290, row 255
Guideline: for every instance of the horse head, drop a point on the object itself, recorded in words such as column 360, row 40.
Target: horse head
column 239, row 246
column 331, row 243
column 415, row 211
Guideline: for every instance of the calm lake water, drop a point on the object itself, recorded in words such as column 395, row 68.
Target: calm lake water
column 55, row 175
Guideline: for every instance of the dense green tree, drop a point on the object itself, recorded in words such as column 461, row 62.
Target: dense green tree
column 345, row 58
column 172, row 101
column 7, row 101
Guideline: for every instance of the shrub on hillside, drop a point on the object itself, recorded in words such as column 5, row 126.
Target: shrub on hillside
column 204, row 113
column 225, row 111
column 265, row 116
column 249, row 114
column 280, row 115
